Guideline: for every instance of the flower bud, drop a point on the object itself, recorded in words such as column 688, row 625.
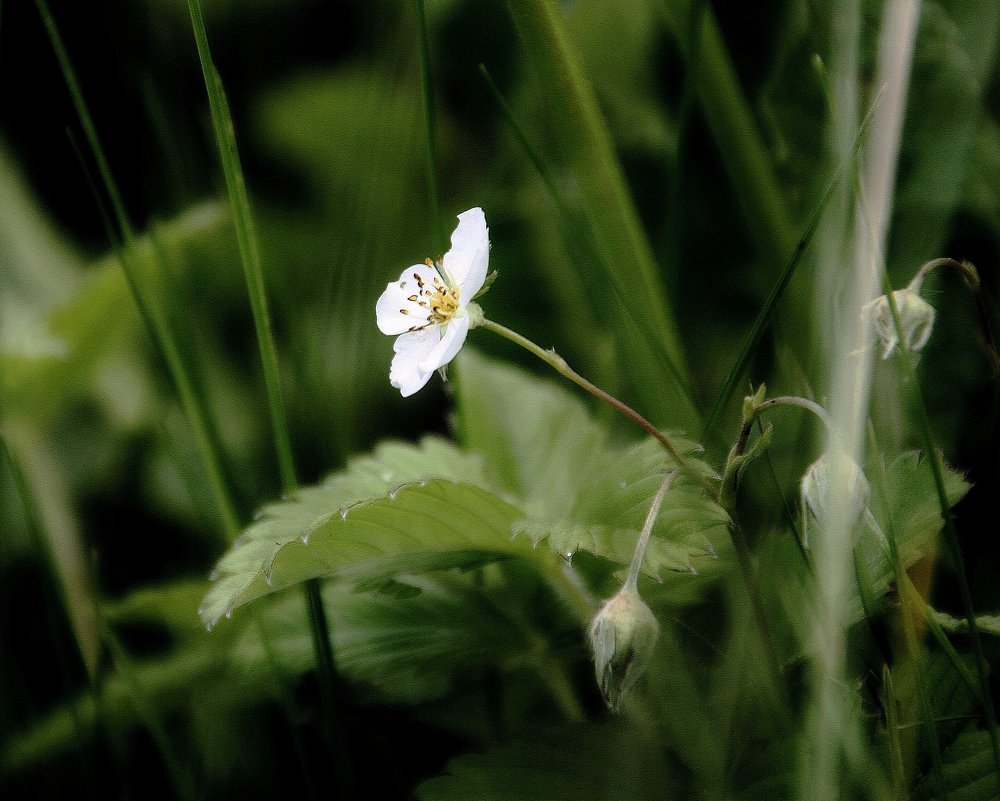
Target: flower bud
column 916, row 317
column 623, row 635
column 815, row 490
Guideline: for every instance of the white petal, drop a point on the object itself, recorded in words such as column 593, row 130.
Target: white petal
column 411, row 349
column 467, row 261
column 390, row 307
column 917, row 316
column 452, row 337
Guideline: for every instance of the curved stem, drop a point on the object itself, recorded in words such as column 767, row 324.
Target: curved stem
column 632, row 579
column 558, row 363
column 971, row 277
column 782, row 400
column 965, row 268
column 802, row 403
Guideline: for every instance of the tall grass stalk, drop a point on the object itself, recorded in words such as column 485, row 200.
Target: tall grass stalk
column 54, row 592
column 183, row 782
column 952, row 546
column 54, row 535
column 832, row 729
column 731, row 120
column 246, row 236
column 583, row 139
column 192, row 402
column 577, row 228
column 430, row 121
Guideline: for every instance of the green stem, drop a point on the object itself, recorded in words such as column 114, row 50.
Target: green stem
column 246, row 238
column 964, row 268
column 744, row 558
column 430, row 120
column 632, row 579
column 782, row 400
column 971, row 278
column 558, row 363
column 54, row 594
column 86, row 122
column 145, row 707
column 327, row 668
column 802, row 403
column 250, row 257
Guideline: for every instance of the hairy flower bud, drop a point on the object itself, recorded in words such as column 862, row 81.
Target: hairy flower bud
column 623, row 635
column 916, row 317
column 815, row 490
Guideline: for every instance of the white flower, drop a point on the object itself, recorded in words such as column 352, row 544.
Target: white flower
column 814, row 491
column 916, row 317
column 431, row 307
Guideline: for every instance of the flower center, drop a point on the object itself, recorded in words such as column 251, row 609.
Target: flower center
column 437, row 298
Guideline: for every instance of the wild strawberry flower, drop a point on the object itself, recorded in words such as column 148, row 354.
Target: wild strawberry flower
column 916, row 317
column 431, row 306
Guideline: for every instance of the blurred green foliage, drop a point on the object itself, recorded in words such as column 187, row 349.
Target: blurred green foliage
column 679, row 175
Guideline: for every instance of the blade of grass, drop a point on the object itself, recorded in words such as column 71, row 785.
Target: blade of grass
column 731, row 121
column 53, row 588
column 675, row 192
column 942, row 639
column 183, row 783
column 430, row 120
column 908, row 378
column 607, row 207
column 583, row 236
column 192, row 403
column 239, row 199
column 913, row 650
column 246, row 238
column 752, row 339
column 895, row 756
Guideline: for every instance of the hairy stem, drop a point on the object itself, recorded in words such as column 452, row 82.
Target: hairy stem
column 558, row 363
column 632, row 580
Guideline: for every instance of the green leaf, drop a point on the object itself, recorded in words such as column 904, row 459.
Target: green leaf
column 612, row 505
column 99, row 325
column 410, row 649
column 538, row 438
column 910, row 514
column 169, row 605
column 969, row 772
column 913, row 505
column 953, row 703
column 579, row 493
column 570, row 763
column 407, row 509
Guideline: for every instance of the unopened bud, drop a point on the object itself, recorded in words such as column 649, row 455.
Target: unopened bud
column 815, row 489
column 916, row 318
column 623, row 635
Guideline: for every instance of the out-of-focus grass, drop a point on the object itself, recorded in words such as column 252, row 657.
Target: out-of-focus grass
column 651, row 300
